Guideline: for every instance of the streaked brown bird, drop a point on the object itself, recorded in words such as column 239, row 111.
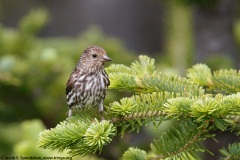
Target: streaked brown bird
column 87, row 85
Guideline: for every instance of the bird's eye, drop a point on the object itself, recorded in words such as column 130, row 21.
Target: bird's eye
column 94, row 55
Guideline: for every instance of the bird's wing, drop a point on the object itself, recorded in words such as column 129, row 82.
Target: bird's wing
column 70, row 83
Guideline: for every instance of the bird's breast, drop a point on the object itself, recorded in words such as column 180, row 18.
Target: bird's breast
column 94, row 90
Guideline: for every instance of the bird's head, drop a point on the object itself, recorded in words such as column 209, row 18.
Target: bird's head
column 94, row 56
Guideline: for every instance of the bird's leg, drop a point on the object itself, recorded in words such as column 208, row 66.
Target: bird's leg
column 101, row 111
column 102, row 116
column 69, row 114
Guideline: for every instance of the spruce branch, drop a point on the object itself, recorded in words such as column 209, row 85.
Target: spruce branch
column 201, row 74
column 144, row 66
column 226, row 81
column 206, row 109
column 222, row 110
column 221, row 81
column 180, row 142
column 81, row 136
column 134, row 154
column 231, row 153
column 135, row 111
column 142, row 78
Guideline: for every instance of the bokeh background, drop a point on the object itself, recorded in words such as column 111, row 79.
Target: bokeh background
column 41, row 42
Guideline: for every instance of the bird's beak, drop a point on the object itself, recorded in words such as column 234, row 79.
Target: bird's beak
column 106, row 58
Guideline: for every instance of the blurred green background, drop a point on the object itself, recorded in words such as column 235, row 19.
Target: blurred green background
column 41, row 42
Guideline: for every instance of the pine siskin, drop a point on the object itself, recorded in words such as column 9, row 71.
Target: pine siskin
column 87, row 85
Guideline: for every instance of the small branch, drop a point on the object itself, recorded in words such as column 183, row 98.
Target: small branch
column 139, row 115
column 186, row 146
column 148, row 114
